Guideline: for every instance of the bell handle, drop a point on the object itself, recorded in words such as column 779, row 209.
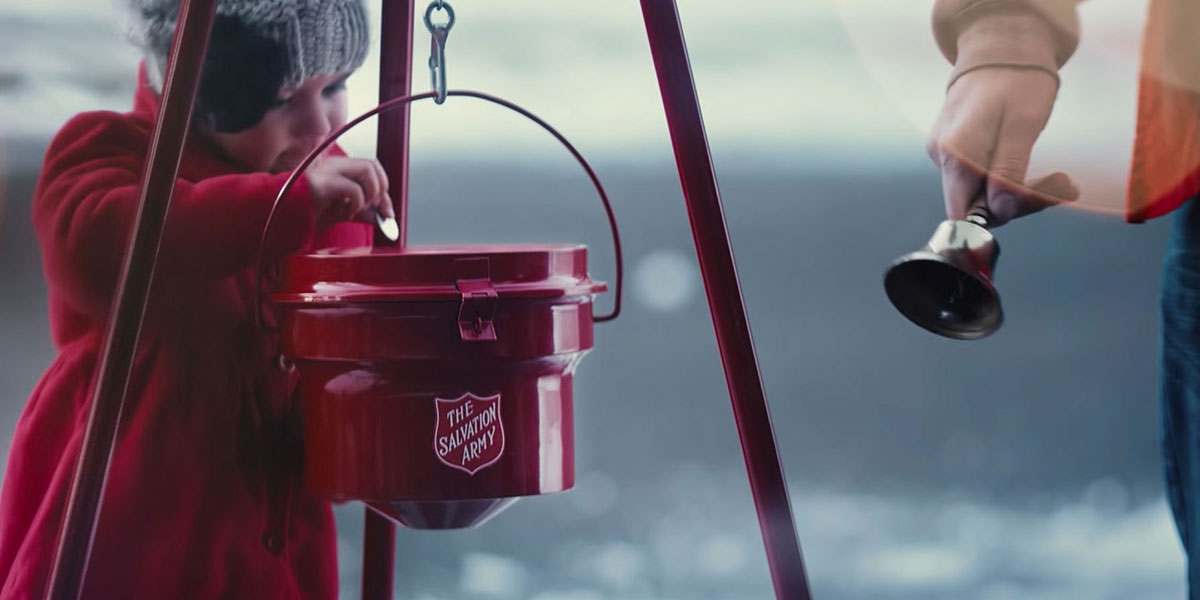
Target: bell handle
column 400, row 101
column 980, row 215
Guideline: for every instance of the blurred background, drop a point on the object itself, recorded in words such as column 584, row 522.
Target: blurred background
column 1021, row 466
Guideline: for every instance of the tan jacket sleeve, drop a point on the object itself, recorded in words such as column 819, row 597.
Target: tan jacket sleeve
column 1039, row 34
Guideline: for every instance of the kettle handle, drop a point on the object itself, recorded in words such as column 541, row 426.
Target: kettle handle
column 400, row 101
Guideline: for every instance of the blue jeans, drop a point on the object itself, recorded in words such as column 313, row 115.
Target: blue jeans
column 1179, row 382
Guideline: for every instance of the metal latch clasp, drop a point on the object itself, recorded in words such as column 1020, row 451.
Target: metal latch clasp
column 437, row 47
column 477, row 307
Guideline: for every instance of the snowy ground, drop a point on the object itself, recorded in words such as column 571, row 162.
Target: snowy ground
column 698, row 539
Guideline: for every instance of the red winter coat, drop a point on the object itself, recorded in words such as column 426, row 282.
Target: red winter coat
column 203, row 497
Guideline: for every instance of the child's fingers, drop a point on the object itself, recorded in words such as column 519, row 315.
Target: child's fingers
column 352, row 197
column 385, row 207
column 319, row 159
column 359, row 206
column 366, row 215
column 385, row 200
column 363, row 172
column 382, row 174
column 379, row 170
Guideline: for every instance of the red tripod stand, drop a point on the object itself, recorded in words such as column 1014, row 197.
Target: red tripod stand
column 719, row 272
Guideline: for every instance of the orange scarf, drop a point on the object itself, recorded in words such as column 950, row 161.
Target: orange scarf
column 1165, row 170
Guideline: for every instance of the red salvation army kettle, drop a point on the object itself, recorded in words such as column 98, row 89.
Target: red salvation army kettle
column 436, row 382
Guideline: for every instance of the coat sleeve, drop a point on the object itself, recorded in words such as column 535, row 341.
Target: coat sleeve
column 86, row 200
column 1033, row 33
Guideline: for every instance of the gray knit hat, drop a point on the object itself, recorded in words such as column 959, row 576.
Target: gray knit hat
column 257, row 47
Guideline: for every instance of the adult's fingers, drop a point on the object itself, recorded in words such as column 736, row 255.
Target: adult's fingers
column 1006, row 177
column 962, row 185
column 1023, row 122
column 963, row 145
column 1051, row 190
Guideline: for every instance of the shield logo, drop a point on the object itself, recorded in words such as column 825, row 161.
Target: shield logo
column 469, row 434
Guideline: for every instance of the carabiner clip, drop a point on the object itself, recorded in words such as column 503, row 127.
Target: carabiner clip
column 437, row 47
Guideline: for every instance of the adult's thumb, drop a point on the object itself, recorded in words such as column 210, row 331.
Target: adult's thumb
column 1044, row 192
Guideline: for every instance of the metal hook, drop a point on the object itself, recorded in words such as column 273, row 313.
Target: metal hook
column 437, row 47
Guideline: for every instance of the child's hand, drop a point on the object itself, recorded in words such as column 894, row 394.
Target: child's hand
column 346, row 189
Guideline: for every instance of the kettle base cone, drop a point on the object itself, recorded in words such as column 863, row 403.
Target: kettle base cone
column 442, row 514
column 943, row 298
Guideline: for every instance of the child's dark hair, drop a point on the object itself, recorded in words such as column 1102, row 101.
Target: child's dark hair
column 243, row 74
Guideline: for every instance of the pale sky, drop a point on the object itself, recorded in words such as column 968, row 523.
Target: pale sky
column 781, row 83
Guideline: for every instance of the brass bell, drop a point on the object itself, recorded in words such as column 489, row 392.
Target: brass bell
column 946, row 287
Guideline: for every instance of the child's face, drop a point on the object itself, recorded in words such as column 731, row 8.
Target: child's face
column 303, row 118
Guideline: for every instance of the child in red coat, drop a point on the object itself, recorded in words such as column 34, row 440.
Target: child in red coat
column 203, row 497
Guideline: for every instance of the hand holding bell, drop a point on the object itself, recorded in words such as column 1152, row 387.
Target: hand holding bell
column 946, row 287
